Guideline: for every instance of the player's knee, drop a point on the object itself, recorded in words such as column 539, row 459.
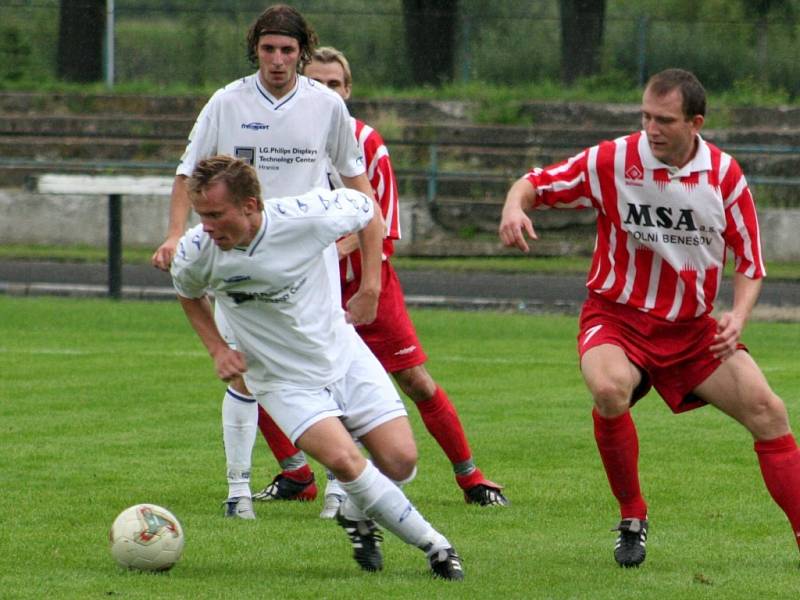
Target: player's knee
column 611, row 396
column 344, row 463
column 401, row 464
column 416, row 383
column 408, row 479
column 767, row 416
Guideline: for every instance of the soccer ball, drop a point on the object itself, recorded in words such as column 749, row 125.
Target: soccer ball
column 146, row 537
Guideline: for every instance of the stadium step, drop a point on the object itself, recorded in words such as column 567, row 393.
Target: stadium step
column 473, row 164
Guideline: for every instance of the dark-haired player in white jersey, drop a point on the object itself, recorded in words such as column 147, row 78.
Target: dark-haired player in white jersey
column 288, row 128
column 669, row 207
column 304, row 362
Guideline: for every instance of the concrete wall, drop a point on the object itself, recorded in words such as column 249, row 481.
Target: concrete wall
column 28, row 218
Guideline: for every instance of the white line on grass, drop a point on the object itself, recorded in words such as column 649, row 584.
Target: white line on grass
column 496, row 360
column 501, row 361
column 76, row 352
column 439, row 357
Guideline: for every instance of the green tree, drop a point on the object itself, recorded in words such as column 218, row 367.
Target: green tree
column 80, row 40
column 430, row 32
column 582, row 24
column 760, row 11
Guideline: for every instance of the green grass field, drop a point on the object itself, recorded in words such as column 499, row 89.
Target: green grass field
column 105, row 404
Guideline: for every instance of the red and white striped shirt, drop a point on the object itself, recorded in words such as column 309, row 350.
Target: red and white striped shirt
column 662, row 232
column 383, row 182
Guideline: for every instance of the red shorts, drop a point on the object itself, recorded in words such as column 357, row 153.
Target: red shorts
column 674, row 357
column 391, row 336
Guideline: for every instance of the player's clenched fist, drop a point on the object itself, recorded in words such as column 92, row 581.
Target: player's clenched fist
column 229, row 363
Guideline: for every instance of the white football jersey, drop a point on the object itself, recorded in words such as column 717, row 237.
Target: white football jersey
column 275, row 293
column 288, row 140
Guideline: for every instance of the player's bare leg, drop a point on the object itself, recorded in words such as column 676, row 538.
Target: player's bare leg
column 738, row 388
column 612, row 379
column 372, row 494
column 442, row 422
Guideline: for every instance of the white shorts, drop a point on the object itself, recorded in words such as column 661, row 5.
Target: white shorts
column 363, row 399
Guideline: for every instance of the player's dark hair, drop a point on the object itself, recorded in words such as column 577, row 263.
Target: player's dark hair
column 282, row 19
column 692, row 91
column 239, row 177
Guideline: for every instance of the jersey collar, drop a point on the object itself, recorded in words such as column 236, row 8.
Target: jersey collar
column 262, row 231
column 270, row 100
column 700, row 162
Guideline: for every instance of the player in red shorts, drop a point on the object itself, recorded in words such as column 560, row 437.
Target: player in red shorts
column 669, row 206
column 391, row 337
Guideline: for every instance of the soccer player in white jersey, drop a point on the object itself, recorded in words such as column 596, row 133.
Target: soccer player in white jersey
column 669, row 206
column 392, row 337
column 288, row 128
column 307, row 366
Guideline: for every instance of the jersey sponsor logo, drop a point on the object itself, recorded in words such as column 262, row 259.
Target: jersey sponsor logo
column 663, row 217
column 282, row 296
column 641, row 215
column 255, row 126
column 197, row 241
column 325, row 203
column 246, row 154
column 240, row 297
column 634, row 175
column 301, row 205
column 237, row 278
column 407, row 350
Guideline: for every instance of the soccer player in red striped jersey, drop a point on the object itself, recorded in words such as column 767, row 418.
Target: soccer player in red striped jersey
column 392, row 337
column 669, row 206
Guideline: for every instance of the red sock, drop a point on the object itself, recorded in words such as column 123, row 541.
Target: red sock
column 780, row 466
column 281, row 446
column 619, row 449
column 441, row 421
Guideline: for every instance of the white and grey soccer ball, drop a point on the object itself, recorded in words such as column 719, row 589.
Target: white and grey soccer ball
column 146, row 537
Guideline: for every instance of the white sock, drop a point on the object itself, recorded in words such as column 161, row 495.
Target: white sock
column 334, row 486
column 373, row 494
column 239, row 426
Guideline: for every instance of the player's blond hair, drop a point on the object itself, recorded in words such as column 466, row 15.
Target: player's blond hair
column 239, row 177
column 327, row 55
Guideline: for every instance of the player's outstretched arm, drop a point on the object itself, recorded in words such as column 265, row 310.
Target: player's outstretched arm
column 228, row 363
column 179, row 206
column 731, row 324
column 514, row 223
